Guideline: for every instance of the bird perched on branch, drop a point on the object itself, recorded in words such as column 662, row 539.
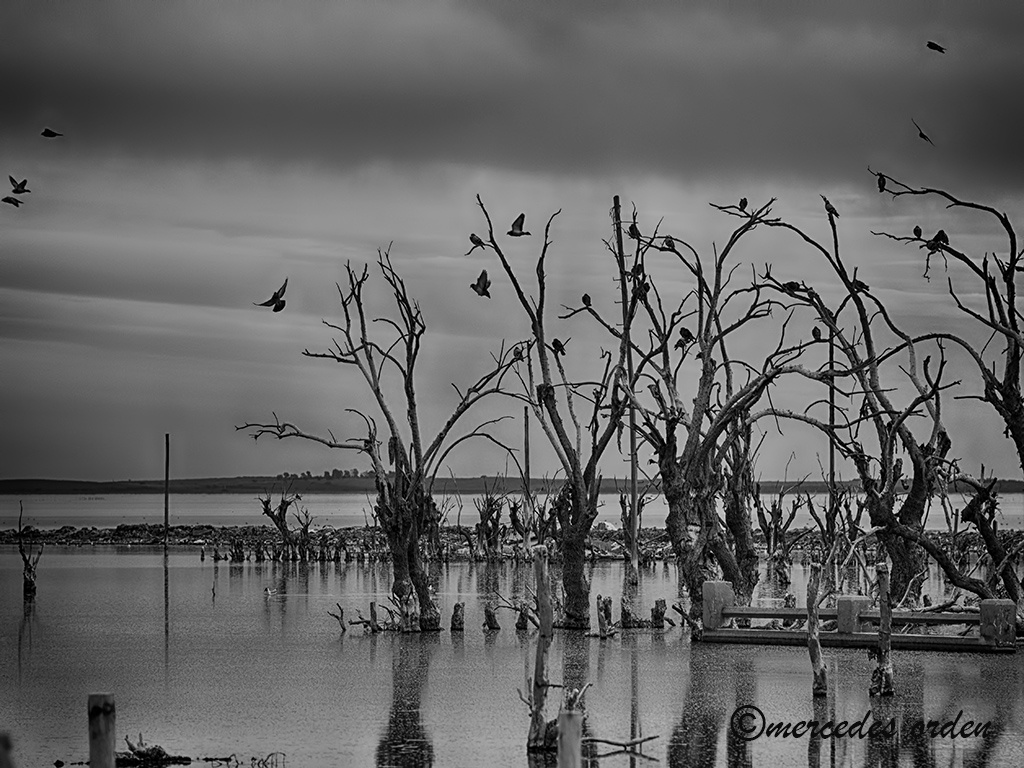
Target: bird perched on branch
column 941, row 237
column 633, row 232
column 685, row 337
column 517, row 353
column 935, row 47
column 517, row 226
column 743, row 204
column 921, row 134
column 670, row 244
column 477, row 243
column 277, row 300
column 859, row 286
column 792, row 285
column 881, row 182
column 586, row 299
column 12, row 201
column 559, row 346
column 50, row 134
column 829, row 208
column 917, row 232
column 18, row 187
column 816, row 333
column 482, row 285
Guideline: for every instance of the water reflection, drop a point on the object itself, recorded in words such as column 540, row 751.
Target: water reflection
column 405, row 741
column 694, row 740
column 28, row 620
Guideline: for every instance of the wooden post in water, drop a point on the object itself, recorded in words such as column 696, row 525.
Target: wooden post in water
column 536, row 739
column 167, row 483
column 102, row 730
column 820, row 684
column 881, row 678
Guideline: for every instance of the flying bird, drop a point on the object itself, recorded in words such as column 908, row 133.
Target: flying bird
column 829, row 208
column 12, row 201
column 517, row 226
column 482, row 285
column 935, row 47
column 921, row 134
column 743, row 203
column 917, row 232
column 633, row 232
column 816, row 333
column 586, row 299
column 881, row 182
column 18, row 187
column 276, row 301
column 559, row 346
column 477, row 243
column 50, row 134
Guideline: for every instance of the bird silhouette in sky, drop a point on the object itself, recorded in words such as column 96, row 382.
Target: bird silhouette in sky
column 743, row 204
column 634, row 233
column 917, row 232
column 50, row 134
column 12, row 201
column 921, row 134
column 277, row 300
column 816, row 333
column 477, row 243
column 18, row 187
column 482, row 285
column 881, row 182
column 829, row 208
column 935, row 47
column 559, row 346
column 517, row 226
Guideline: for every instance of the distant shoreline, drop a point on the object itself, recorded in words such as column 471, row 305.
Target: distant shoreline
column 336, row 485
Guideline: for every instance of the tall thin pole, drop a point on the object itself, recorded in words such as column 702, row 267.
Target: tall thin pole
column 633, row 503
column 167, row 483
column 831, row 423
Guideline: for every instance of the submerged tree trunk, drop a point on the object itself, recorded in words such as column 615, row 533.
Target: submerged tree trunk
column 574, row 581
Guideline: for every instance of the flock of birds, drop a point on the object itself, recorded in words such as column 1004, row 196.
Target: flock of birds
column 21, row 187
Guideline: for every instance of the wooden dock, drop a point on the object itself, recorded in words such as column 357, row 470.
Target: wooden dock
column 995, row 622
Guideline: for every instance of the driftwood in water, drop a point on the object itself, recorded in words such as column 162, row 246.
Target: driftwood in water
column 153, row 754
column 340, row 616
column 820, row 685
column 459, row 617
column 490, row 619
column 542, row 736
column 881, row 677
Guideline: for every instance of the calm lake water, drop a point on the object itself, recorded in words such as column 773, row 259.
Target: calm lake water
column 202, row 661
column 338, row 510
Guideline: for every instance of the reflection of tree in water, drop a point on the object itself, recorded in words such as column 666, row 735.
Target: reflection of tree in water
column 28, row 620
column 695, row 738
column 404, row 741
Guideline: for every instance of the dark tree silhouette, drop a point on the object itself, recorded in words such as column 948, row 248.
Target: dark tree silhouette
column 404, row 505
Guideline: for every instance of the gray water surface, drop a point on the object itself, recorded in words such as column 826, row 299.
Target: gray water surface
column 202, row 661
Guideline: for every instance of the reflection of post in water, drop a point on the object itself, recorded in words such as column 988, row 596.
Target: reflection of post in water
column 405, row 741
column 821, row 717
column 745, row 685
column 996, row 675
column 167, row 617
column 695, row 738
column 28, row 620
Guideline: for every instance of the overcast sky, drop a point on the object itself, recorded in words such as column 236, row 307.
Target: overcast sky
column 213, row 149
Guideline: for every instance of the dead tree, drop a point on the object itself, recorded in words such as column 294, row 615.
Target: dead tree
column 869, row 344
column 557, row 402
column 278, row 515
column 404, row 505
column 995, row 278
column 701, row 439
column 28, row 561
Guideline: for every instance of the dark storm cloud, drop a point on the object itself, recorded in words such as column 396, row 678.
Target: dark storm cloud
column 790, row 91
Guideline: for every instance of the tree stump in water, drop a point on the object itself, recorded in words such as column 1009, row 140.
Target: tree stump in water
column 490, row 619
column 658, row 614
column 881, row 677
column 820, row 684
column 459, row 617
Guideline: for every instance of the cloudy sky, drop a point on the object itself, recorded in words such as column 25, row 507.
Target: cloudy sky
column 212, row 149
